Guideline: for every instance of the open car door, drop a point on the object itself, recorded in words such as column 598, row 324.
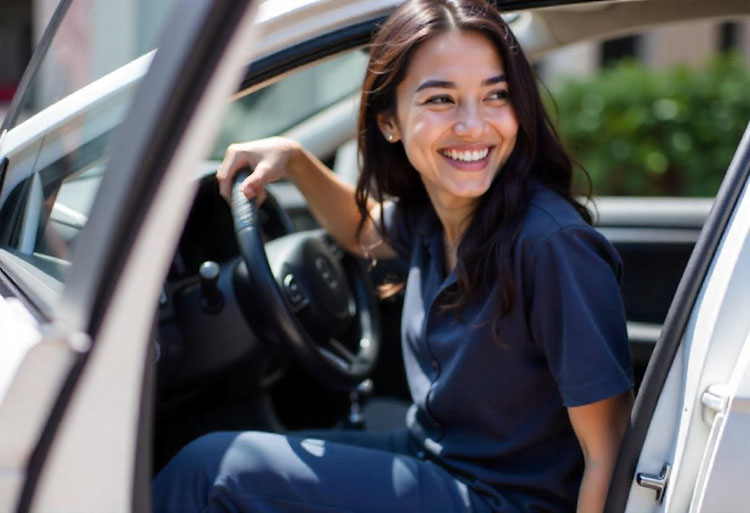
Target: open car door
column 687, row 448
column 75, row 394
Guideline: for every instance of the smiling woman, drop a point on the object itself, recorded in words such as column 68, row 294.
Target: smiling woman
column 459, row 129
column 456, row 123
column 513, row 330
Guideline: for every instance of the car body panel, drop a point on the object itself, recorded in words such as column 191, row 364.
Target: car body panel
column 27, row 402
column 282, row 25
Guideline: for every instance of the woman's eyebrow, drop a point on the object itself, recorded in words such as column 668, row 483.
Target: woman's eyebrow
column 495, row 80
column 440, row 84
column 447, row 84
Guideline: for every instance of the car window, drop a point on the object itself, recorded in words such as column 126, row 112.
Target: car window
column 278, row 107
column 76, row 101
column 93, row 39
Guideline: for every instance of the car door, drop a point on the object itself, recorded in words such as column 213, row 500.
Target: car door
column 686, row 449
column 76, row 325
column 39, row 145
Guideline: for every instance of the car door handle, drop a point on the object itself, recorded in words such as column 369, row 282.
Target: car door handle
column 654, row 482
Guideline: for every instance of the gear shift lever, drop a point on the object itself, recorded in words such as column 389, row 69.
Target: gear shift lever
column 357, row 397
column 211, row 299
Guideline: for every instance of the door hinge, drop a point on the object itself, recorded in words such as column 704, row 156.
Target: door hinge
column 654, row 482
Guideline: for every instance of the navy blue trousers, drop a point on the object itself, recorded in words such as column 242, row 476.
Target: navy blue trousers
column 311, row 472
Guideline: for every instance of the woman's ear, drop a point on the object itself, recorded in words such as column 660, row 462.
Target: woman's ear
column 388, row 127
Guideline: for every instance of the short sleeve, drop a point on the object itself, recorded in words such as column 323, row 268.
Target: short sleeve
column 400, row 228
column 577, row 315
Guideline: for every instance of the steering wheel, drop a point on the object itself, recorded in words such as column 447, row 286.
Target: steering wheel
column 310, row 296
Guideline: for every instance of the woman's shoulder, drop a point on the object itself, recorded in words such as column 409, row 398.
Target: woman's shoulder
column 551, row 219
column 549, row 212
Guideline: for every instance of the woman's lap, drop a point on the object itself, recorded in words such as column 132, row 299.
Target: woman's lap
column 320, row 472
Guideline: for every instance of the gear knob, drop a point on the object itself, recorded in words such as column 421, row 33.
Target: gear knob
column 211, row 298
column 364, row 389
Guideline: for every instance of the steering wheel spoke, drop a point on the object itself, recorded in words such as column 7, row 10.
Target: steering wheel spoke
column 336, row 251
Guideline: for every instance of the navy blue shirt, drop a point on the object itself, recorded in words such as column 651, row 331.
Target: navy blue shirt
column 494, row 413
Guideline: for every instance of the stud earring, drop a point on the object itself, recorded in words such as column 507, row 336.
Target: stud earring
column 389, row 136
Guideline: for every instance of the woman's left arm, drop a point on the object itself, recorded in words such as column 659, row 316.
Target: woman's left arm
column 599, row 427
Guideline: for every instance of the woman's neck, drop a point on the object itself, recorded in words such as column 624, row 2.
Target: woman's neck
column 454, row 213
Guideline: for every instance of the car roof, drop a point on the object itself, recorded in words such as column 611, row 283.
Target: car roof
column 540, row 26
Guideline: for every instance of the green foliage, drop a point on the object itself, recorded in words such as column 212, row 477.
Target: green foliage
column 642, row 132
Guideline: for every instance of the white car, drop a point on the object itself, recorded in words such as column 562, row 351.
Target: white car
column 133, row 320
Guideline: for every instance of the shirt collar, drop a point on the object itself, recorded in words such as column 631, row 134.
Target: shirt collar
column 428, row 223
column 430, row 232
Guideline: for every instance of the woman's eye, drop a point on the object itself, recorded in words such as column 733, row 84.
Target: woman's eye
column 500, row 94
column 439, row 100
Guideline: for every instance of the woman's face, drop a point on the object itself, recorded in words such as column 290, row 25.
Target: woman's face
column 454, row 116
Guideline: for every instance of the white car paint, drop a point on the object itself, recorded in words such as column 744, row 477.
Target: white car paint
column 19, row 332
column 284, row 24
column 726, row 460
column 35, row 362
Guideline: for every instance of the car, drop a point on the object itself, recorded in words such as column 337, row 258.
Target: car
column 137, row 311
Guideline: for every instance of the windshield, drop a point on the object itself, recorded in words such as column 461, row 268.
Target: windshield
column 286, row 103
column 93, row 39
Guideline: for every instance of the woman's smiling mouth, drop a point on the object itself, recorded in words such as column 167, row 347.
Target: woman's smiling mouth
column 467, row 159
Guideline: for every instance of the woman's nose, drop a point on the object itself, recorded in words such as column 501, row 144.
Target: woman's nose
column 469, row 121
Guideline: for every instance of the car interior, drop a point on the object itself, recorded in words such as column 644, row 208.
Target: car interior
column 263, row 385
column 223, row 359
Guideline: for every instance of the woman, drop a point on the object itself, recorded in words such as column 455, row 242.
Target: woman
column 513, row 329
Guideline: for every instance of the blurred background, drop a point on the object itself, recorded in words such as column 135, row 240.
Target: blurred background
column 670, row 103
column 21, row 26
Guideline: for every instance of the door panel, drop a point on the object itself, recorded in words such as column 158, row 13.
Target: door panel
column 716, row 333
column 701, row 341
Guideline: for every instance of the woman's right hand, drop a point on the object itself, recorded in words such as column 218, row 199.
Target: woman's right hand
column 330, row 199
column 268, row 159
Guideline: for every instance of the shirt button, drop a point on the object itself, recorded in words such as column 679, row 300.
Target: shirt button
column 420, row 455
column 435, row 364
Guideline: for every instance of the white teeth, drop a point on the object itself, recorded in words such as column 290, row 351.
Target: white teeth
column 467, row 156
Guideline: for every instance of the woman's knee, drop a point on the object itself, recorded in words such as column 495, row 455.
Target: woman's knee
column 186, row 482
column 206, row 451
column 217, row 457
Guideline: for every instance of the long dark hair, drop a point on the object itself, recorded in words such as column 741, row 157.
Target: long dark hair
column 486, row 246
